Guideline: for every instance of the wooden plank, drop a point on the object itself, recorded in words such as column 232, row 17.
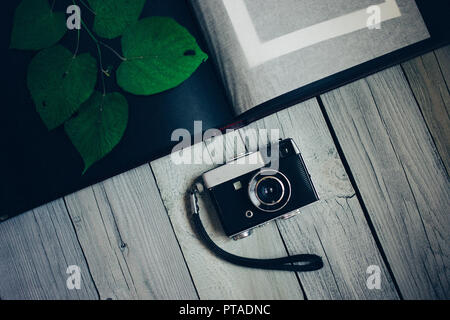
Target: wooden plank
column 128, row 240
column 443, row 57
column 36, row 250
column 401, row 178
column 335, row 227
column 431, row 92
column 214, row 278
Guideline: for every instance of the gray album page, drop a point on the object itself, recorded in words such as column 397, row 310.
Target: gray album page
column 265, row 48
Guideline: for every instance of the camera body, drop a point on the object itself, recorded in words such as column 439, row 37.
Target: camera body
column 254, row 189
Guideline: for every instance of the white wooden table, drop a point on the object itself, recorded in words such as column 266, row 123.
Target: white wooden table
column 378, row 152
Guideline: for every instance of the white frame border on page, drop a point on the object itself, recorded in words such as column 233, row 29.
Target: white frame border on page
column 258, row 52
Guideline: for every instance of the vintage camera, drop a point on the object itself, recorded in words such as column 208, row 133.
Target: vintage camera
column 259, row 187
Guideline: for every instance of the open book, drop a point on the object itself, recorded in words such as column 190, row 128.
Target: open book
column 265, row 55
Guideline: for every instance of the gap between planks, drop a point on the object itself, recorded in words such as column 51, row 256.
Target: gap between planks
column 400, row 175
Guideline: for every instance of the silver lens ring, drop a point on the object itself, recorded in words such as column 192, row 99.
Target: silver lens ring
column 274, row 179
column 273, row 175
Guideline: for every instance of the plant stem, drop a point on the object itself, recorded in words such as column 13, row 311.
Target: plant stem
column 78, row 44
column 99, row 55
column 88, row 7
column 100, row 42
column 97, row 43
column 102, row 70
column 112, row 50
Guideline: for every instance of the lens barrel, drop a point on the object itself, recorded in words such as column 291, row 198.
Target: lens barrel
column 269, row 190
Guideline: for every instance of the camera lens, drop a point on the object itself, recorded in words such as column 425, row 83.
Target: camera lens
column 269, row 190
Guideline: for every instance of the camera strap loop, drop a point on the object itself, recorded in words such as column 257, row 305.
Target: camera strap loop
column 297, row 263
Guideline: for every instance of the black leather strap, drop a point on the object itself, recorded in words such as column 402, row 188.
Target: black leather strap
column 298, row 263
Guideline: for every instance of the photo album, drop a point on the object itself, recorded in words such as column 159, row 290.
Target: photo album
column 95, row 88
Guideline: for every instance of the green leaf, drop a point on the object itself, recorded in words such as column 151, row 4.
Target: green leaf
column 36, row 26
column 59, row 83
column 160, row 54
column 112, row 17
column 98, row 127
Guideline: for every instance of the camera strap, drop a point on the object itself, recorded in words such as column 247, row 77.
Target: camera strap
column 297, row 263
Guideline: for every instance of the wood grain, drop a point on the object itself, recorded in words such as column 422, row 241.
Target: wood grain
column 443, row 57
column 401, row 178
column 214, row 278
column 134, row 241
column 36, row 250
column 430, row 89
column 334, row 227
column 128, row 239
